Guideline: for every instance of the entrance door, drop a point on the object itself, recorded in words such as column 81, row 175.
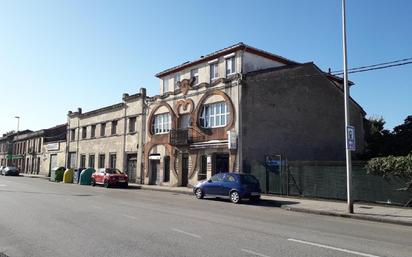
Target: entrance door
column 53, row 161
column 222, row 163
column 185, row 169
column 154, row 172
column 131, row 166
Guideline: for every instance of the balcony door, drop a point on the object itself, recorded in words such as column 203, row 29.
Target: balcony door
column 184, row 121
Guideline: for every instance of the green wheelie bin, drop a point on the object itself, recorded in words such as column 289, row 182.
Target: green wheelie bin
column 85, row 176
column 56, row 174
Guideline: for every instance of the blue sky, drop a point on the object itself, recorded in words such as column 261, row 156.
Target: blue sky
column 58, row 55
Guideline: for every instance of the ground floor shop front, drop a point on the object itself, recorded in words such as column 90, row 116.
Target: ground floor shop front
column 185, row 166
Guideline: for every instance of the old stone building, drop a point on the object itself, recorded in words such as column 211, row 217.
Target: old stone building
column 232, row 108
column 9, row 154
column 108, row 137
column 30, row 149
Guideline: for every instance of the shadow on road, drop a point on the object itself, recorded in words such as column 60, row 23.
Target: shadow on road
column 262, row 202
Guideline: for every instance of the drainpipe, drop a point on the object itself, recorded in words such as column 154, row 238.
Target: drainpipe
column 240, row 120
column 124, row 132
column 141, row 135
column 79, row 110
column 66, row 162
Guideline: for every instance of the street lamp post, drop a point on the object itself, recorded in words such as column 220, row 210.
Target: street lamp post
column 346, row 93
column 18, row 122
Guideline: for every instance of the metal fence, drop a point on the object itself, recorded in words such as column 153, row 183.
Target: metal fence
column 328, row 180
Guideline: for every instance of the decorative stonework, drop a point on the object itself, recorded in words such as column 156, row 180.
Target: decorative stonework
column 185, row 85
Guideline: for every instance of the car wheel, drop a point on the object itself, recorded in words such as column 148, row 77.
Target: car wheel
column 93, row 182
column 199, row 193
column 125, row 185
column 106, row 183
column 234, row 197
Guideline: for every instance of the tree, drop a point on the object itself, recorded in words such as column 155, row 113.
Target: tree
column 403, row 137
column 378, row 139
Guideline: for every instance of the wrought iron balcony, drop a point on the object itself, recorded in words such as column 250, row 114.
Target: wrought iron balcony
column 179, row 137
column 184, row 137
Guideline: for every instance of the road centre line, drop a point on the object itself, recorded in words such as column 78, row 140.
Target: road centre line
column 186, row 233
column 254, row 253
column 332, row 248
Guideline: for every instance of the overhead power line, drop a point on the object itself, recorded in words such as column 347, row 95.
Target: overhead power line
column 375, row 65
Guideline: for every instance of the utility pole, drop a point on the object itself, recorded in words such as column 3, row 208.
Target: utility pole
column 18, row 122
column 346, row 93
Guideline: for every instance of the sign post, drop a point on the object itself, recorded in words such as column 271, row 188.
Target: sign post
column 346, row 96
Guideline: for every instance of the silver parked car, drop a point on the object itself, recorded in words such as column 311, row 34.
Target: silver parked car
column 10, row 171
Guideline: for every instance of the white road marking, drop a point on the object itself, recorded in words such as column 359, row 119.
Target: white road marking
column 186, row 233
column 332, row 248
column 130, row 217
column 254, row 253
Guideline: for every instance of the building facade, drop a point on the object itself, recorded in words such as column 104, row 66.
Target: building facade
column 230, row 109
column 108, row 137
column 30, row 152
column 11, row 151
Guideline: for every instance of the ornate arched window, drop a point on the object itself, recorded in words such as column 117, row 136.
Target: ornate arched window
column 214, row 115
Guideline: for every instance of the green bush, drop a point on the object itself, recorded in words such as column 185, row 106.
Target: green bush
column 399, row 166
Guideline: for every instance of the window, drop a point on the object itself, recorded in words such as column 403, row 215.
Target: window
column 82, row 161
column 71, row 161
column 165, row 85
column 91, row 161
column 93, row 131
column 112, row 160
column 73, row 134
column 194, row 74
column 177, row 80
column 166, row 170
column 102, row 129
column 217, row 177
column 214, row 73
column 161, row 123
column 202, row 174
column 229, row 178
column 230, row 66
column 132, row 124
column 84, row 132
column 114, row 127
column 214, row 115
column 101, row 160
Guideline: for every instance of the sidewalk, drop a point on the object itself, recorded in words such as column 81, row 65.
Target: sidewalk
column 371, row 212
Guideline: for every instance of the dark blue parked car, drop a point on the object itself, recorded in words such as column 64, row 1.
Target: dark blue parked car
column 235, row 186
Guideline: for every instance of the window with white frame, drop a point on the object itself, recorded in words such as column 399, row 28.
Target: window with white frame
column 214, row 115
column 165, row 85
column 230, row 66
column 177, row 80
column 161, row 123
column 194, row 74
column 214, row 73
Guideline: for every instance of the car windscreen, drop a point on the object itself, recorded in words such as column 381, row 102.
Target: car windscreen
column 248, row 179
column 113, row 171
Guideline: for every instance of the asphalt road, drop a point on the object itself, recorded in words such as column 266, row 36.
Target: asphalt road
column 41, row 218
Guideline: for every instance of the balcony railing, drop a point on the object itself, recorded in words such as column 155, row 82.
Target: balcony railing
column 183, row 137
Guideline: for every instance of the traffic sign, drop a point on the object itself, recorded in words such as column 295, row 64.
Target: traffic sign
column 351, row 144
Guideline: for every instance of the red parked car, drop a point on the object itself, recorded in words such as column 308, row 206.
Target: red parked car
column 110, row 177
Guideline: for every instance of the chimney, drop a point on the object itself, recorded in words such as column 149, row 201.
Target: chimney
column 79, row 110
column 143, row 92
column 125, row 95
